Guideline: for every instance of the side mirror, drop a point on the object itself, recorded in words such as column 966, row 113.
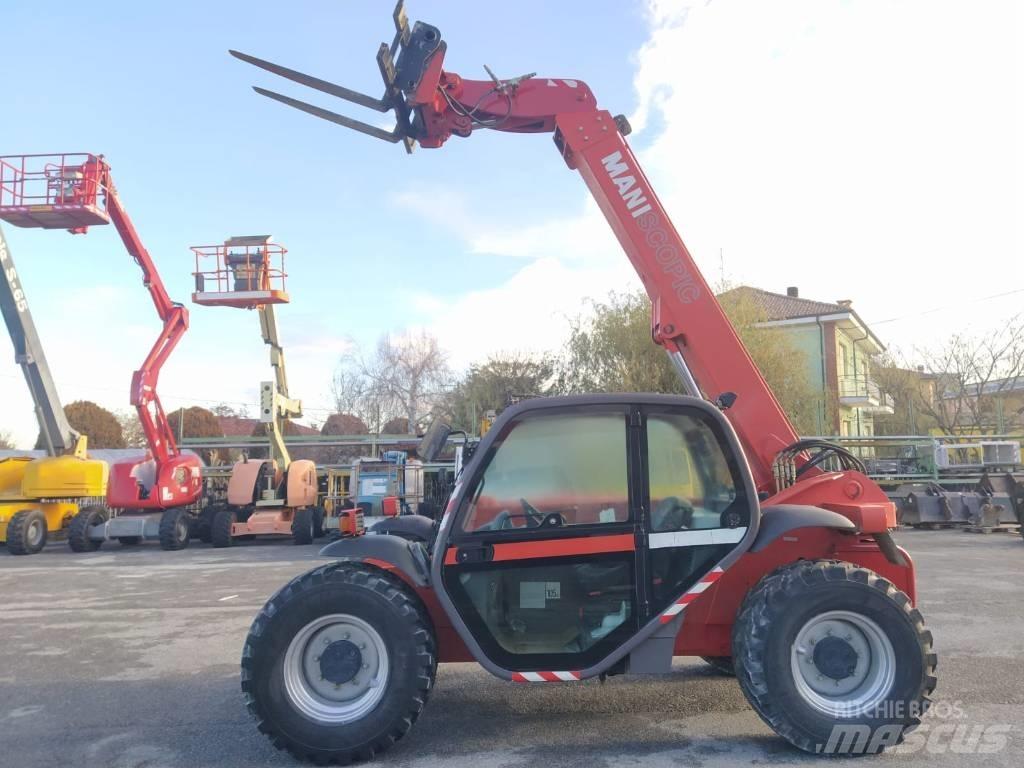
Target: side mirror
column 433, row 440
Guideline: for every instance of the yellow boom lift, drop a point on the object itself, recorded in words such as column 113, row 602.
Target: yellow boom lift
column 276, row 495
column 39, row 497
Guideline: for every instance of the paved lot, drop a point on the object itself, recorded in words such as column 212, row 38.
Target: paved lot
column 129, row 658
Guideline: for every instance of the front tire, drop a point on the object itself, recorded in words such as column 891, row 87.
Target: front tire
column 27, row 532
column 308, row 647
column 834, row 658
column 175, row 529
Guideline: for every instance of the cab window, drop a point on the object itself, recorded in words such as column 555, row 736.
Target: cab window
column 552, row 471
column 692, row 483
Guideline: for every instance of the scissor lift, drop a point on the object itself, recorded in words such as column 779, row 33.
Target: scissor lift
column 275, row 495
column 75, row 191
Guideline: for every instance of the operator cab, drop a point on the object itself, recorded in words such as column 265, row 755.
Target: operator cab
column 582, row 520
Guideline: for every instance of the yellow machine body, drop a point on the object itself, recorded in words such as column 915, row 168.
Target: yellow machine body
column 61, row 480
column 65, row 476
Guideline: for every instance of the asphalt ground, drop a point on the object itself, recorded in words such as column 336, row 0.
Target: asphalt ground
column 128, row 658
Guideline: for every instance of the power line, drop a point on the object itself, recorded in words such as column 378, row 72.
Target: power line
column 948, row 306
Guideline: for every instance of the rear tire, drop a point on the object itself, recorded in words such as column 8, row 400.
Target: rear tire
column 365, row 606
column 175, row 529
column 304, row 525
column 27, row 532
column 220, row 528
column 78, row 530
column 834, row 658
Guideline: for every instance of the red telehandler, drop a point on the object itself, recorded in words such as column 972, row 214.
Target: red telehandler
column 75, row 192
column 596, row 535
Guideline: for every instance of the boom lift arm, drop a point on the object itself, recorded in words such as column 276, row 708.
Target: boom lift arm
column 58, row 436
column 432, row 104
column 274, row 395
column 155, row 425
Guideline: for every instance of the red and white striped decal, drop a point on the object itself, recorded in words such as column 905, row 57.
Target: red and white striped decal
column 545, row 677
column 691, row 594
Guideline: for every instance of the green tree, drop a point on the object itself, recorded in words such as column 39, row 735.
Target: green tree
column 341, row 424
column 100, row 425
column 396, row 426
column 487, row 386
column 199, row 422
column 194, row 422
column 611, row 350
column 344, row 424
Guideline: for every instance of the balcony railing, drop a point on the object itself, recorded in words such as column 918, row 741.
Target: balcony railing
column 862, row 392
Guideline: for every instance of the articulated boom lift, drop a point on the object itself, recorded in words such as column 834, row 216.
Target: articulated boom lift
column 603, row 534
column 39, row 497
column 75, row 192
column 276, row 495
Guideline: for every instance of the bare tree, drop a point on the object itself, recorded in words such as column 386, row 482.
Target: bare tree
column 239, row 411
column 968, row 384
column 405, row 377
column 131, row 428
column 411, row 372
column 6, row 441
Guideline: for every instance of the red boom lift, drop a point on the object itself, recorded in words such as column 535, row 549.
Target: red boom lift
column 603, row 534
column 75, row 192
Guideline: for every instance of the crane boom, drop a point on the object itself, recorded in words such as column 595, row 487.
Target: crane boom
column 57, row 434
column 432, row 104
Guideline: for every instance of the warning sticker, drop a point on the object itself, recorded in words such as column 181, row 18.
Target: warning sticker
column 535, row 594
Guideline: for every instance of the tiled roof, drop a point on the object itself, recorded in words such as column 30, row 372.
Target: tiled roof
column 777, row 306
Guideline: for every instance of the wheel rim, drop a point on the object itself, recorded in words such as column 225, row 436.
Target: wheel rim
column 336, row 669
column 181, row 528
column 34, row 534
column 843, row 664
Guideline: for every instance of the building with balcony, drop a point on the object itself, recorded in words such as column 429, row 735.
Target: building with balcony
column 838, row 348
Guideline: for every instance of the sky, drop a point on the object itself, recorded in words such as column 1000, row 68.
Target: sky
column 858, row 149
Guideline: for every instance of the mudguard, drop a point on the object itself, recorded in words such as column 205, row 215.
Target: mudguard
column 408, row 558
column 782, row 518
column 413, row 527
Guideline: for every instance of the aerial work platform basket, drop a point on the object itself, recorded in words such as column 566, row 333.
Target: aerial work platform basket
column 59, row 191
column 244, row 272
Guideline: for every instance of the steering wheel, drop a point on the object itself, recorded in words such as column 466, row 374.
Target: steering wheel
column 534, row 517
column 672, row 514
column 553, row 520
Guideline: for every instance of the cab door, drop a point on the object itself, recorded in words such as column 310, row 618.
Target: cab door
column 697, row 504
column 541, row 565
column 579, row 526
